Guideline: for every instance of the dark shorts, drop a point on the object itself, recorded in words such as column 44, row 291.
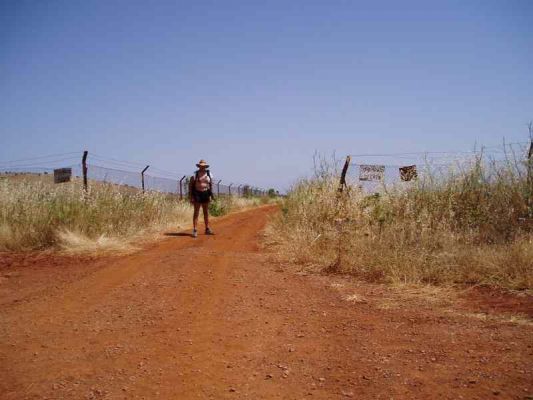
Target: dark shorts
column 201, row 197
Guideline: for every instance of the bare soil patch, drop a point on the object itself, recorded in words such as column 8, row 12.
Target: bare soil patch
column 216, row 318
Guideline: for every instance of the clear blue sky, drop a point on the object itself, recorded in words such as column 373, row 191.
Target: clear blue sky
column 255, row 87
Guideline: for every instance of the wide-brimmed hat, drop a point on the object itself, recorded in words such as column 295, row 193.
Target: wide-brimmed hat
column 202, row 163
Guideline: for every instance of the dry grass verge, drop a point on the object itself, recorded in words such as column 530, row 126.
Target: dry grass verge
column 36, row 215
column 472, row 227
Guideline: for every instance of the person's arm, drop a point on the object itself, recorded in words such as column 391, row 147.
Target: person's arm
column 211, row 186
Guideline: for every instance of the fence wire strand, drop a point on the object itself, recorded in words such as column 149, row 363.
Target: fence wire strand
column 120, row 173
column 435, row 165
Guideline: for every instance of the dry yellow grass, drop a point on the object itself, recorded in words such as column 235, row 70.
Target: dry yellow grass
column 468, row 228
column 36, row 214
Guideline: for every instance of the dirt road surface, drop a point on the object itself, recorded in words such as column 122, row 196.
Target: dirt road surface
column 216, row 318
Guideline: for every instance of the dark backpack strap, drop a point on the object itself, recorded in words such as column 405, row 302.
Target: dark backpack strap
column 196, row 174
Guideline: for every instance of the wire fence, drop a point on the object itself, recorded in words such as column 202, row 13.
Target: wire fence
column 376, row 172
column 126, row 174
column 371, row 172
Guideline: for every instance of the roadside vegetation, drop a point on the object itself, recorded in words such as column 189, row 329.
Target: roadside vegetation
column 36, row 214
column 225, row 204
column 471, row 225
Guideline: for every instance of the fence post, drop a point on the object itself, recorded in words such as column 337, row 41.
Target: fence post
column 239, row 190
column 181, row 186
column 530, row 170
column 218, row 187
column 530, row 164
column 142, row 175
column 84, row 169
column 229, row 188
column 340, row 218
column 342, row 183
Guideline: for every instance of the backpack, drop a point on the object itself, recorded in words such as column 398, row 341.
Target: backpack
column 208, row 174
column 193, row 180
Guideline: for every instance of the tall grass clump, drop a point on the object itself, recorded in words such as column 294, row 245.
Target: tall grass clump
column 471, row 225
column 36, row 215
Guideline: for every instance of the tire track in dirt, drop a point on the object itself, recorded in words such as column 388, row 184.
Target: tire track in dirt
column 214, row 318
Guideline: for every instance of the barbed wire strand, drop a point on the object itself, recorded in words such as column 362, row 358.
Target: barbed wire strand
column 138, row 166
column 39, row 164
column 39, row 158
column 481, row 149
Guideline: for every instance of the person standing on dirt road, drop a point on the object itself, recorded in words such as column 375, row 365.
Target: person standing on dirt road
column 200, row 193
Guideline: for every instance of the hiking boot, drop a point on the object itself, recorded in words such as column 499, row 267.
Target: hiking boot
column 194, row 233
column 209, row 231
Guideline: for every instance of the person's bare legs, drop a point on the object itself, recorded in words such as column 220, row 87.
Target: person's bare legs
column 205, row 207
column 195, row 216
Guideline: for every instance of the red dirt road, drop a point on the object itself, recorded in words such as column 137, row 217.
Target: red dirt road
column 215, row 318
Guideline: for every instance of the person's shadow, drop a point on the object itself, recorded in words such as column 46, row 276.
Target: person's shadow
column 178, row 234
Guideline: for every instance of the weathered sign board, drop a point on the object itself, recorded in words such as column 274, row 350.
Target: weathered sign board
column 408, row 173
column 62, row 175
column 371, row 172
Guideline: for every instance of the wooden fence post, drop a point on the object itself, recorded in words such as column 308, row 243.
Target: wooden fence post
column 229, row 188
column 530, row 164
column 142, row 176
column 340, row 217
column 218, row 187
column 84, row 169
column 530, row 171
column 342, row 183
column 181, row 186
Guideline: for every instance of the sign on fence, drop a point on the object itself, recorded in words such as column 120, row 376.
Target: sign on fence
column 408, row 173
column 371, row 172
column 62, row 175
